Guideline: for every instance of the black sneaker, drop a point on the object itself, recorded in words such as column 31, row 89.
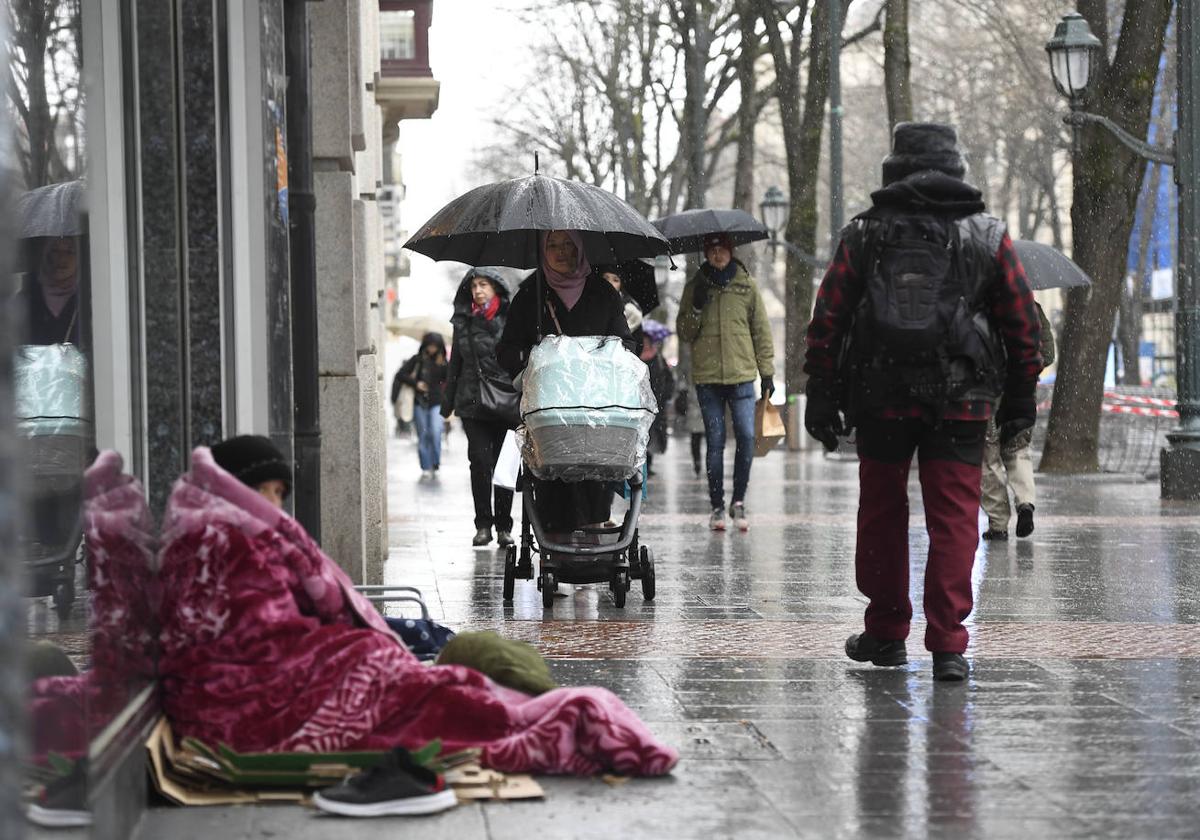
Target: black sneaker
column 950, row 667
column 397, row 787
column 862, row 647
column 483, row 536
column 995, row 535
column 62, row 803
column 1024, row 520
column 504, row 539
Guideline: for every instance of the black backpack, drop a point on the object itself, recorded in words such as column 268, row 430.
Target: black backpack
column 921, row 334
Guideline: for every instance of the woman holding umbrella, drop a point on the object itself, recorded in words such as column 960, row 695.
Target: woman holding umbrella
column 564, row 296
column 722, row 317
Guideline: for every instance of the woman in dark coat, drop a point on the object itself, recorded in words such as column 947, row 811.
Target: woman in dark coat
column 426, row 374
column 573, row 301
column 480, row 310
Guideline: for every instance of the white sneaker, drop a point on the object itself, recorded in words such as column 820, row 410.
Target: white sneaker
column 717, row 520
column 426, row 474
column 738, row 513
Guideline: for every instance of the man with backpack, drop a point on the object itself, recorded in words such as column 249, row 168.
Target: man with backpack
column 923, row 322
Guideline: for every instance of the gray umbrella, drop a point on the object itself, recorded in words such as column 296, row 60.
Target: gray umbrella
column 498, row 224
column 52, row 210
column 1048, row 268
column 686, row 231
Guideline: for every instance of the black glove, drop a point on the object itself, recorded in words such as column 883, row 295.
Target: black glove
column 768, row 387
column 822, row 419
column 447, row 409
column 700, row 294
column 1016, row 414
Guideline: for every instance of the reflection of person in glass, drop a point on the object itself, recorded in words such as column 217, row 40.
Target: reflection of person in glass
column 52, row 292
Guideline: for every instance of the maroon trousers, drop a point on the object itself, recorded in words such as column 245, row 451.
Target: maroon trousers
column 950, row 458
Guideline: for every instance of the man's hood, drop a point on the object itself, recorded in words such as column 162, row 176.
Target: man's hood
column 931, row 191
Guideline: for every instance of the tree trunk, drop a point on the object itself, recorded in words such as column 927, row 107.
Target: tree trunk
column 896, row 64
column 802, row 135
column 696, row 42
column 1106, row 180
column 743, row 180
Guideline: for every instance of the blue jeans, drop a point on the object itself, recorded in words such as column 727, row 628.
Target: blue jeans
column 428, row 420
column 740, row 399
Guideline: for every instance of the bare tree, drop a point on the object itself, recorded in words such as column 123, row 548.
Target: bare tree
column 43, row 87
column 1107, row 177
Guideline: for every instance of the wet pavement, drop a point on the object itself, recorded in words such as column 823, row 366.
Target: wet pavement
column 1081, row 717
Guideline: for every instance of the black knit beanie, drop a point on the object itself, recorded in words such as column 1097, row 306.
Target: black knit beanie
column 252, row 459
column 920, row 146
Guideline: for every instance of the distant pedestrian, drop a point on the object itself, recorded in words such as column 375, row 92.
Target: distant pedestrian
column 426, row 374
column 480, row 310
column 662, row 383
column 924, row 319
column 687, row 407
column 1010, row 465
column 722, row 316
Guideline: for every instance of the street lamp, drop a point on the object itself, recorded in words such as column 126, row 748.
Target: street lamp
column 1073, row 52
column 775, row 208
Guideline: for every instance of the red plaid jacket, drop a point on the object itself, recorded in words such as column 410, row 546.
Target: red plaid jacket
column 1010, row 305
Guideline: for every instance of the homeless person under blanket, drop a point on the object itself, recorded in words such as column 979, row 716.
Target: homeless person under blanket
column 267, row 647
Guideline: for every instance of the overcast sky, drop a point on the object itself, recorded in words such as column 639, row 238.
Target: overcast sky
column 476, row 53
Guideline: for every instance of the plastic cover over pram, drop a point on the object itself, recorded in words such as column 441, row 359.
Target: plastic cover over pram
column 588, row 407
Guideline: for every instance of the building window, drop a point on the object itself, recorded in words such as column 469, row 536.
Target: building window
column 397, row 35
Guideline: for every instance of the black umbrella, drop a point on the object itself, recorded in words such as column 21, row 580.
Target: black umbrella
column 686, row 231
column 1048, row 268
column 637, row 280
column 498, row 224
column 52, row 210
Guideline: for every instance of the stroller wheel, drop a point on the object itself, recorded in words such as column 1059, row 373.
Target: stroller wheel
column 620, row 586
column 510, row 572
column 646, row 564
column 549, row 588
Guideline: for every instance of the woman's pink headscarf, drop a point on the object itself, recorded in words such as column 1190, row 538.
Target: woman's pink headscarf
column 568, row 286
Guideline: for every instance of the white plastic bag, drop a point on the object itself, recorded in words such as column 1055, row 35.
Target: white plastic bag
column 509, row 463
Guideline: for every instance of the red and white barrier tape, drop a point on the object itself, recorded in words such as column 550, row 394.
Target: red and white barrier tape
column 1132, row 400
column 1139, row 411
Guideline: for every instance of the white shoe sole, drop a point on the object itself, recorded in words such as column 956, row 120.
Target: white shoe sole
column 56, row 818
column 412, row 806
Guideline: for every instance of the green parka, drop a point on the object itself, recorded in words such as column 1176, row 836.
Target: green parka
column 731, row 337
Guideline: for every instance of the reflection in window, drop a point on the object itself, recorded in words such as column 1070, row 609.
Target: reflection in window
column 397, row 35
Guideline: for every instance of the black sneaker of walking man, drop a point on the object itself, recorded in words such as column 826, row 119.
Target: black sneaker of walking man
column 862, row 647
column 950, row 667
column 398, row 787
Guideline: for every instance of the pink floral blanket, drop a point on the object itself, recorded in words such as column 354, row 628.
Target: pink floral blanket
column 267, row 647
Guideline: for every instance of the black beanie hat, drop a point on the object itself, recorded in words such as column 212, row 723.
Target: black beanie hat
column 252, row 459
column 919, row 146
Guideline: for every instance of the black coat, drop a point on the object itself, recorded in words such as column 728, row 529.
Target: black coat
column 599, row 311
column 475, row 340
column 422, row 367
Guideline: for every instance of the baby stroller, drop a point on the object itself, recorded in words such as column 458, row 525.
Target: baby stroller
column 54, row 419
column 587, row 408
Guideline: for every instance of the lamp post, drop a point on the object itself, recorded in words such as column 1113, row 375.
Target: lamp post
column 1073, row 51
column 774, row 210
